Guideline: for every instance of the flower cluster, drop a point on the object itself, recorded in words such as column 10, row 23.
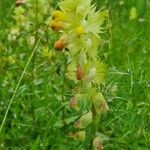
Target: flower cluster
column 80, row 26
column 75, row 30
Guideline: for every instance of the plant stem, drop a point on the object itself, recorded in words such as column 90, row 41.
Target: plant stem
column 63, row 89
column 33, row 63
column 18, row 84
column 94, row 126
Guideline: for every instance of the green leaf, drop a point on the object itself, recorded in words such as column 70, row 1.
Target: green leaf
column 35, row 145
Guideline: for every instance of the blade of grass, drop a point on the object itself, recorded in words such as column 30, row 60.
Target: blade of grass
column 18, row 84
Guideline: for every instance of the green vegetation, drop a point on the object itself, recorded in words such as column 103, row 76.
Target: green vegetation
column 39, row 116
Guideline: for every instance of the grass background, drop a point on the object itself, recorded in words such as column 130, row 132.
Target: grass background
column 128, row 61
column 127, row 124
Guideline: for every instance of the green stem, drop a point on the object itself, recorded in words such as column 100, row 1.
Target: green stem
column 63, row 89
column 18, row 84
column 94, row 126
column 33, row 64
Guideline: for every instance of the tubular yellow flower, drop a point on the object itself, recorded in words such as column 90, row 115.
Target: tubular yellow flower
column 58, row 15
column 79, row 31
column 56, row 25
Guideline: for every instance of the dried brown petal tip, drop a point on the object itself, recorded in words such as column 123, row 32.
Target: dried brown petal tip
column 20, row 2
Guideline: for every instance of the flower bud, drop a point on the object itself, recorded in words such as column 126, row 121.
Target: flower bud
column 58, row 15
column 100, row 103
column 79, row 31
column 56, row 25
column 84, row 121
column 60, row 44
column 97, row 145
column 73, row 103
column 103, row 106
column 79, row 73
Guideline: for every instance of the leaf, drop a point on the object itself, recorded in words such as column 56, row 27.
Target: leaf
column 35, row 145
column 102, row 136
column 71, row 119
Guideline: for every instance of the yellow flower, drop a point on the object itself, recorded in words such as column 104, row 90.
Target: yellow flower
column 58, row 15
column 79, row 31
column 56, row 25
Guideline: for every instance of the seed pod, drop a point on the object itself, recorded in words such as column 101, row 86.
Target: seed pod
column 103, row 106
column 79, row 31
column 20, row 2
column 80, row 136
column 58, row 15
column 97, row 145
column 73, row 103
column 79, row 73
column 100, row 103
column 60, row 44
column 84, row 121
column 56, row 26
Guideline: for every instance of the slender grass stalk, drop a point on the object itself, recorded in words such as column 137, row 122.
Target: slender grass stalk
column 33, row 62
column 63, row 90
column 18, row 84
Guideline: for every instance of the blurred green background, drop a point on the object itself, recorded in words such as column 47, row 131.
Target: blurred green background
column 127, row 123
